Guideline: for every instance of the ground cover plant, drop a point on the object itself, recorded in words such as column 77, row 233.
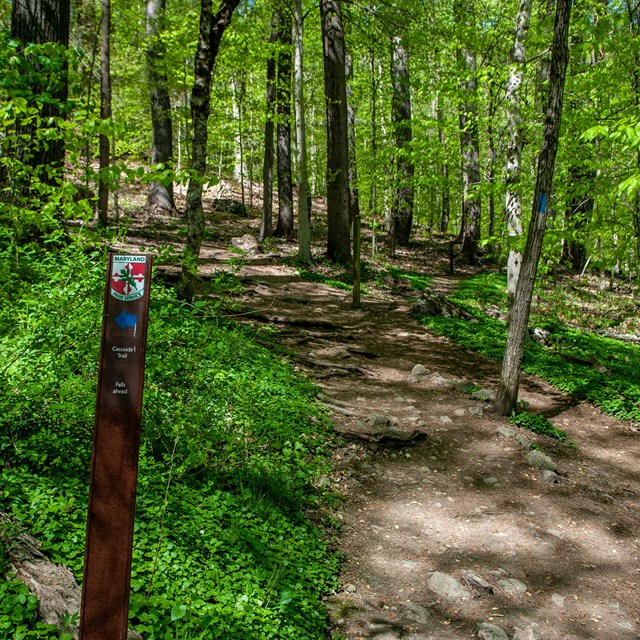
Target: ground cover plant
column 228, row 541
column 582, row 363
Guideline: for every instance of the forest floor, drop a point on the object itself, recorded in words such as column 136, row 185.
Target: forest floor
column 447, row 531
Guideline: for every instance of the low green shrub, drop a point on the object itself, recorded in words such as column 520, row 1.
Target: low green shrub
column 573, row 362
column 232, row 451
column 537, row 424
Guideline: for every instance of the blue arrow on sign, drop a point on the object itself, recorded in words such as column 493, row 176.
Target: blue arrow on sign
column 125, row 320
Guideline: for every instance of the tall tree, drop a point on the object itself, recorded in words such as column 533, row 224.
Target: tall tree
column 304, row 213
column 160, row 193
column 633, row 11
column 105, row 112
column 212, row 28
column 469, row 142
column 513, row 198
column 39, row 22
column 338, row 232
column 401, row 217
column 269, row 156
column 510, row 376
column 284, row 228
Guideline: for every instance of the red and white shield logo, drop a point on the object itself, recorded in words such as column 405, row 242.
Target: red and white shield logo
column 127, row 277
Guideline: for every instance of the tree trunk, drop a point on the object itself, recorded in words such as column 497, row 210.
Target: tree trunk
column 239, row 95
column 39, row 22
column 469, row 144
column 304, row 217
column 160, row 194
column 578, row 212
column 105, row 113
column 354, row 198
column 212, row 28
column 513, row 200
column 403, row 193
column 284, row 228
column 516, row 335
column 338, row 232
column 444, row 171
column 633, row 11
column 267, row 165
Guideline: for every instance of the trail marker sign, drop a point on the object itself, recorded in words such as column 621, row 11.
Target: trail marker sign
column 116, row 440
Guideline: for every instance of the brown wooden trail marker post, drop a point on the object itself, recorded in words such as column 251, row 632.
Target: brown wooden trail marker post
column 114, row 466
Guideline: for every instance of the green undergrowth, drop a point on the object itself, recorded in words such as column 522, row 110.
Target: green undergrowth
column 229, row 541
column 588, row 366
column 372, row 275
column 537, row 424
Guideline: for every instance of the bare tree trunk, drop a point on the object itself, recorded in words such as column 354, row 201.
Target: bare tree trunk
column 338, row 240
column 513, row 200
column 269, row 156
column 105, row 112
column 284, row 228
column 160, row 194
column 444, row 170
column 403, row 196
column 354, row 198
column 239, row 93
column 510, row 375
column 39, row 22
column 212, row 28
column 633, row 10
column 469, row 144
column 304, row 218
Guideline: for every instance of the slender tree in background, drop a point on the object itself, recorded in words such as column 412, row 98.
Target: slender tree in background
column 160, row 194
column 401, row 216
column 212, row 27
column 469, row 143
column 304, row 213
column 510, row 376
column 338, row 232
column 284, row 228
column 39, row 22
column 513, row 198
column 444, row 170
column 105, row 112
column 354, row 197
column 633, row 12
column 269, row 156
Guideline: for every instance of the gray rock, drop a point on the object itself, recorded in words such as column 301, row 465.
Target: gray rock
column 447, row 586
column 464, row 386
column 524, row 441
column 550, row 476
column 506, row 432
column 541, row 461
column 227, row 205
column 490, row 480
column 478, row 412
column 432, row 303
column 488, row 631
column 558, row 600
column 526, row 632
column 419, row 370
column 246, row 243
column 487, row 395
column 415, row 613
column 512, row 587
column 540, row 336
column 445, row 420
column 380, row 422
column 474, row 580
column 459, row 412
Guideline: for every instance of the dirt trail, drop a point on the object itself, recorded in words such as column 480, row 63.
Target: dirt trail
column 552, row 560
column 446, row 528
